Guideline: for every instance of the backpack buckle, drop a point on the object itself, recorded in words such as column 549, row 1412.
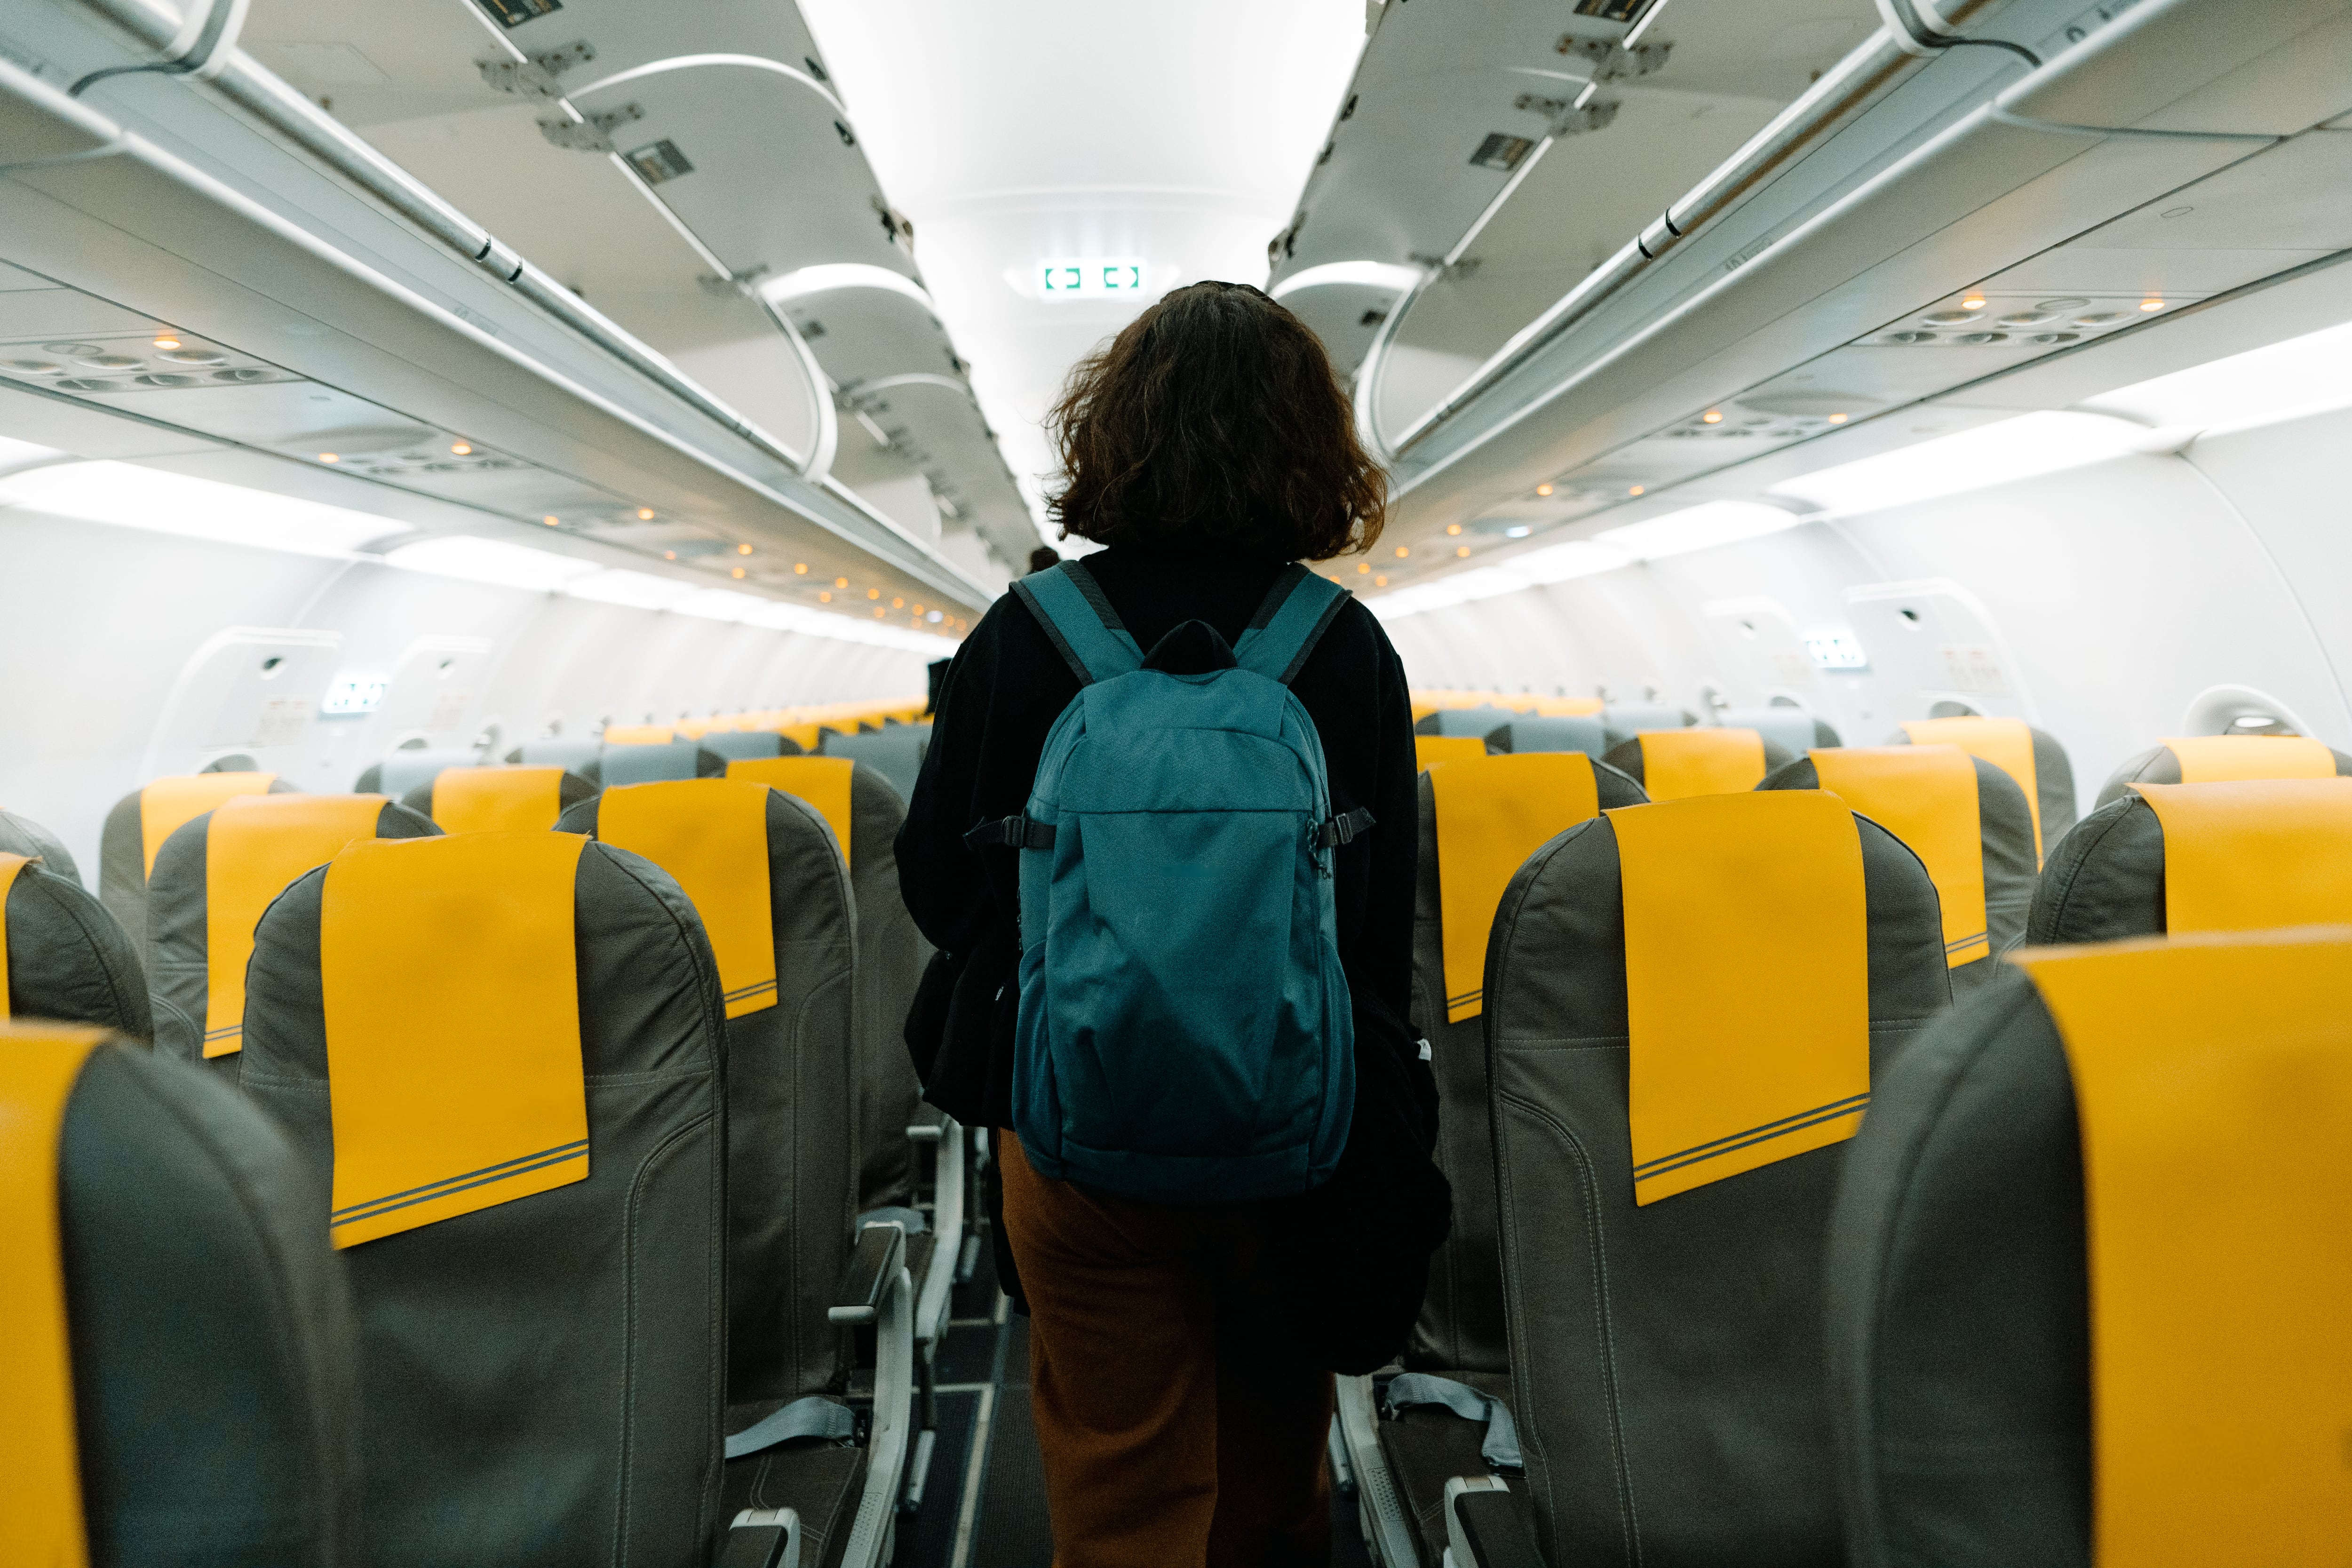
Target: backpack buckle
column 1013, row 832
column 1345, row 828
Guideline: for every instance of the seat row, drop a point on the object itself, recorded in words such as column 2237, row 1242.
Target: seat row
column 611, row 1127
column 1656, row 1027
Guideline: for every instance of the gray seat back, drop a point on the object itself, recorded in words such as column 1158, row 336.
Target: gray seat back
column 1556, row 734
column 23, row 836
column 179, row 941
column 67, row 960
column 735, row 744
column 1625, row 720
column 1792, row 730
column 1666, row 1364
column 122, row 859
column 895, row 752
column 401, row 772
column 1958, row 1299
column 211, row 1335
column 543, row 1379
column 1461, row 1325
column 653, row 764
column 2158, row 765
column 891, row 956
column 791, row 1098
column 2005, row 831
column 1474, row 722
column 557, row 752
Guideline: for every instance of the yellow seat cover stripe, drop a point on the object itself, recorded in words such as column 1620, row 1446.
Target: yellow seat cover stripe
column 1568, row 707
column 1746, row 983
column 498, row 800
column 168, row 804
column 804, row 736
column 1926, row 796
column 2211, row 759
column 2255, row 854
column 822, row 782
column 2006, row 744
column 1492, row 813
column 254, row 847
column 9, row 865
column 452, row 1001
column 1430, row 751
column 712, row 836
column 40, row 1459
column 1679, row 763
column 2213, row 1077
column 640, row 735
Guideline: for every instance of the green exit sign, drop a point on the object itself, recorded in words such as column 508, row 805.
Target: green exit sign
column 1090, row 277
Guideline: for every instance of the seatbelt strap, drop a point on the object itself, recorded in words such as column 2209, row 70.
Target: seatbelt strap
column 1501, row 1449
column 1299, row 609
column 1079, row 620
column 813, row 1416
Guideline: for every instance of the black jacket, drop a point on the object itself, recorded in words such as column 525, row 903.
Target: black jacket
column 1004, row 693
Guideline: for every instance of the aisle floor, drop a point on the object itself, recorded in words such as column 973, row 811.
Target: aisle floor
column 984, row 1500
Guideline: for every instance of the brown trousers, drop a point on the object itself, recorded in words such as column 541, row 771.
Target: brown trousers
column 1166, row 1444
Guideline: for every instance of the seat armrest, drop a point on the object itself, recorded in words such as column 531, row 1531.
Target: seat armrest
column 1485, row 1528
column 762, row 1538
column 925, row 1132
column 873, row 1268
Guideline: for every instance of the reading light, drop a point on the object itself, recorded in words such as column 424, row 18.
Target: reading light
column 459, row 448
column 737, row 572
column 1973, row 302
column 825, row 597
column 739, row 550
column 551, row 519
column 1636, row 489
column 1462, row 550
column 872, row 593
column 1837, row 418
column 1712, row 417
column 328, row 458
column 2151, row 305
column 644, row 514
column 167, row 343
column 841, row 582
column 670, row 554
column 1543, row 489
column 879, row 612
column 1364, row 568
column 800, row 568
column 897, row 603
column 1380, row 581
column 1402, row 552
column 1453, row 528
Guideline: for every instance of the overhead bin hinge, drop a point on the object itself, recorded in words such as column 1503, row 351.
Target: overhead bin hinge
column 536, row 78
column 897, row 225
column 593, row 133
column 1612, row 61
column 1567, row 117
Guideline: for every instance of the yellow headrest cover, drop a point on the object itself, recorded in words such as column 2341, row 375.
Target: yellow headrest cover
column 1568, row 707
column 451, row 1000
column 9, row 865
column 2211, row 759
column 168, row 804
column 822, row 782
column 712, row 836
column 40, row 1460
column 1430, row 751
column 497, row 800
column 1746, row 983
column 2006, row 744
column 1492, row 813
column 1679, row 763
column 256, row 846
column 804, row 736
column 640, row 734
column 2255, row 854
column 2213, row 1077
column 1926, row 796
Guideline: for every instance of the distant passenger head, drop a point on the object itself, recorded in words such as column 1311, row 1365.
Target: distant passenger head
column 1215, row 419
column 1044, row 558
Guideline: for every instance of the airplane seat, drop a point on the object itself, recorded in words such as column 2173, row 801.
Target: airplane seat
column 2127, row 1093
column 2233, row 854
column 541, row 1286
column 497, row 799
column 733, row 744
column 232, row 860
column 1792, row 730
column 556, row 753
column 62, row 957
column 1690, row 1002
column 896, row 752
column 1553, row 733
column 400, row 772
column 1482, row 721
column 1430, row 751
column 23, row 836
column 1965, row 818
column 653, row 763
column 1674, row 765
column 1627, row 720
column 2209, row 759
column 760, row 869
column 204, row 1425
column 137, row 824
column 2030, row 756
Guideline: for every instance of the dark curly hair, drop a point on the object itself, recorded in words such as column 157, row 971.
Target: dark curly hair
column 1214, row 418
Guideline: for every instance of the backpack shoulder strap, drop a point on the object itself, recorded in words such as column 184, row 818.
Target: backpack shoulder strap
column 1084, row 629
column 1299, row 609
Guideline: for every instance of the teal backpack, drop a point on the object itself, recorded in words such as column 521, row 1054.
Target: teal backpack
column 1184, row 1032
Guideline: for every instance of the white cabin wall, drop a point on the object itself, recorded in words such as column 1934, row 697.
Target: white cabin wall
column 100, row 621
column 2121, row 590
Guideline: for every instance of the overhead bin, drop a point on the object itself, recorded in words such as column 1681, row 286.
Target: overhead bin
column 1956, row 230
